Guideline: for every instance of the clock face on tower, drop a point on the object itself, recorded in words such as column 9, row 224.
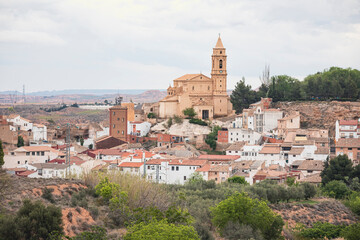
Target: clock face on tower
column 220, row 71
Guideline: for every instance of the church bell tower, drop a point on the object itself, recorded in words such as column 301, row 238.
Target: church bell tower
column 218, row 70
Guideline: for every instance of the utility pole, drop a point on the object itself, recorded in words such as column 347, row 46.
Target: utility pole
column 157, row 173
column 144, row 164
column 68, row 149
column 24, row 99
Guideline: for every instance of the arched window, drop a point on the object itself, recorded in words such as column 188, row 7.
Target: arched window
column 220, row 63
column 193, row 88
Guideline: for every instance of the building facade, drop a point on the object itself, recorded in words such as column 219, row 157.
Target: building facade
column 118, row 122
column 206, row 95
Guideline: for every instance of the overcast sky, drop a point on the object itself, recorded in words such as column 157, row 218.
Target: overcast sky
column 113, row 44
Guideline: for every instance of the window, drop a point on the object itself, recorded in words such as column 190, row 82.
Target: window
column 118, row 131
column 123, row 119
column 42, row 153
column 190, row 168
column 294, row 155
column 18, row 162
column 172, row 168
column 37, row 153
column 220, row 52
column 118, row 119
column 220, row 63
column 113, row 125
column 27, row 153
column 193, row 88
column 229, row 151
column 113, row 113
column 149, row 167
column 177, row 168
column 33, row 153
column 349, row 148
column 184, row 178
column 122, row 132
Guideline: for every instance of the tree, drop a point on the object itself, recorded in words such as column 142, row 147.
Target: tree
column 91, row 146
column 336, row 189
column 161, row 230
column 351, row 232
column 242, row 96
column 189, row 112
column 309, row 190
column 242, row 209
column 32, row 221
column 212, row 137
column 82, row 141
column 237, row 179
column 151, row 115
column 20, row 142
column 339, row 168
column 1, row 155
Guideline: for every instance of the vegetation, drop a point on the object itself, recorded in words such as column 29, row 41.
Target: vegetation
column 242, row 209
column 198, row 121
column 32, row 221
column 1, row 155
column 334, row 83
column 151, row 115
column 169, row 122
column 189, row 112
column 161, row 230
column 339, row 168
column 178, row 119
column 20, row 142
column 47, row 194
column 82, row 141
column 336, row 189
column 237, row 179
column 55, row 109
column 212, row 137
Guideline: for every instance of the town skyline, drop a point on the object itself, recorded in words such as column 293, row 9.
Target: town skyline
column 53, row 45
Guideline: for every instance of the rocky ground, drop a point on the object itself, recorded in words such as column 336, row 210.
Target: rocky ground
column 322, row 114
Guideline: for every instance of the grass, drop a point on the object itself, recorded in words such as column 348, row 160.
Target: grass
column 213, row 152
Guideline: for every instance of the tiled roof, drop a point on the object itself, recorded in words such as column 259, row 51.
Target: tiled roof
column 188, row 76
column 219, row 168
column 204, row 168
column 49, row 165
column 219, row 43
column 313, row 178
column 36, row 149
column 348, row 122
column 314, row 165
column 186, row 162
column 243, row 164
column 131, row 164
column 348, row 142
column 322, row 150
column 304, row 142
column 26, row 173
column 270, row 149
column 219, row 157
column 296, row 151
column 236, row 146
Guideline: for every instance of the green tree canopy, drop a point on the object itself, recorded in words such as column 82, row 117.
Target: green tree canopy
column 20, row 142
column 338, row 168
column 242, row 96
column 189, row 112
column 1, row 155
column 242, row 209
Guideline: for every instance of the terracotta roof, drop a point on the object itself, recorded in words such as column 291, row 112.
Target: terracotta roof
column 26, row 173
column 186, row 162
column 322, row 150
column 188, row 76
column 219, row 157
column 314, row 165
column 348, row 122
column 15, row 169
column 289, row 117
column 27, row 120
column 270, row 149
column 11, row 116
column 243, row 164
column 49, row 165
column 131, row 164
column 204, row 168
column 236, row 146
column 348, row 142
column 296, row 150
column 108, row 142
column 219, row 43
column 219, row 168
column 303, row 142
column 313, row 178
column 117, row 107
column 38, row 125
column 36, row 149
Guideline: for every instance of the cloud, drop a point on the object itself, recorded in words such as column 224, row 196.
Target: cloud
column 138, row 44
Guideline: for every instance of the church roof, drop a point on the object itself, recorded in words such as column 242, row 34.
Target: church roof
column 219, row 43
column 188, row 76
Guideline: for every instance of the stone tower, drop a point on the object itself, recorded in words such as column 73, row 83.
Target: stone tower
column 218, row 70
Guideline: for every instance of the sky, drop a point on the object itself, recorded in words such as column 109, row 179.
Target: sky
column 115, row 44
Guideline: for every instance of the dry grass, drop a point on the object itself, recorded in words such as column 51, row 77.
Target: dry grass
column 141, row 192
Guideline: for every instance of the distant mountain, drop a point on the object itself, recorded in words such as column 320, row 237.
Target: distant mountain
column 97, row 92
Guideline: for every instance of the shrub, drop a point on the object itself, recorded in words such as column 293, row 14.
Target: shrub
column 351, row 232
column 320, row 231
column 47, row 194
column 178, row 119
column 354, row 203
column 151, row 115
column 237, row 179
column 197, row 121
column 161, row 230
column 189, row 112
column 242, row 209
column 336, row 189
column 309, row 190
column 169, row 122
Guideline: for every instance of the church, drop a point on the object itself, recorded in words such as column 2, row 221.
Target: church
column 206, row 95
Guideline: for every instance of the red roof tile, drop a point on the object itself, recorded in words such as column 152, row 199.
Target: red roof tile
column 348, row 122
column 131, row 164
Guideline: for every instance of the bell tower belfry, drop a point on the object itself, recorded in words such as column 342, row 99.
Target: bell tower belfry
column 218, row 69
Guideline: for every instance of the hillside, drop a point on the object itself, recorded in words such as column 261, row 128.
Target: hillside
column 316, row 114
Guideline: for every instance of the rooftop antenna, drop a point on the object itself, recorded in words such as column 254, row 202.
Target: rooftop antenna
column 68, row 148
column 118, row 100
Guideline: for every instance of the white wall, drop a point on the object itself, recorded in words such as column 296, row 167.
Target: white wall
column 239, row 135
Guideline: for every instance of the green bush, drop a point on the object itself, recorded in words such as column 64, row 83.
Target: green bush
column 242, row 209
column 354, row 203
column 151, row 115
column 351, row 232
column 197, row 121
column 189, row 112
column 47, row 194
column 320, row 230
column 336, row 189
column 237, row 179
column 161, row 230
column 178, row 119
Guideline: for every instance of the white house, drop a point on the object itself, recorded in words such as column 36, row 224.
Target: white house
column 48, row 170
column 270, row 153
column 346, row 129
column 139, row 129
column 39, row 132
column 243, row 135
column 136, row 168
column 174, row 171
column 30, row 155
column 20, row 123
column 250, row 152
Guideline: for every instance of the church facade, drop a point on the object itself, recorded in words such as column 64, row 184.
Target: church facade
column 206, row 95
